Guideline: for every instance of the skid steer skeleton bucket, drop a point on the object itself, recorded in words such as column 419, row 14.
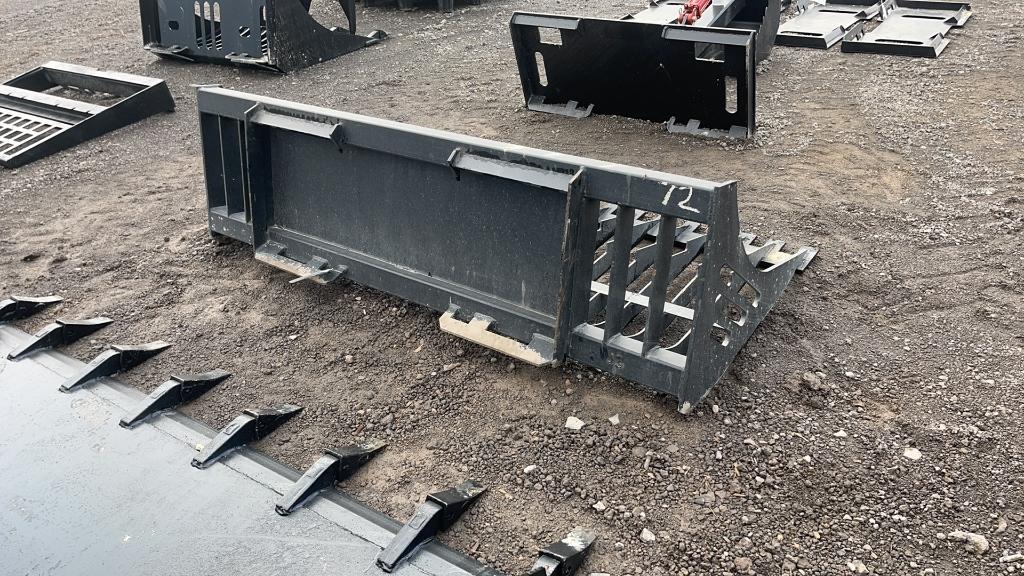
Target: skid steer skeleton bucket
column 278, row 35
column 542, row 256
column 688, row 63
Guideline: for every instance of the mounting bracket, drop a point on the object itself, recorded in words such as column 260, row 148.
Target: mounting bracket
column 564, row 557
column 60, row 333
column 251, row 426
column 334, row 466
column 117, row 359
column 173, row 393
column 18, row 307
column 437, row 514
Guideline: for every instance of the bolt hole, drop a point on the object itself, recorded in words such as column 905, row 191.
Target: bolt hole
column 552, row 36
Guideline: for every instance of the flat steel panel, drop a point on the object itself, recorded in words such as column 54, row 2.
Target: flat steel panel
column 490, row 234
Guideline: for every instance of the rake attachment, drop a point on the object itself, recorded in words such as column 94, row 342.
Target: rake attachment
column 687, row 63
column 277, row 35
column 541, row 256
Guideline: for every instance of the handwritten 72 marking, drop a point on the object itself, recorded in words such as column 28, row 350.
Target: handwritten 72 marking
column 682, row 203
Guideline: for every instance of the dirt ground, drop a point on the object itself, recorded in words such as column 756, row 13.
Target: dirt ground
column 906, row 332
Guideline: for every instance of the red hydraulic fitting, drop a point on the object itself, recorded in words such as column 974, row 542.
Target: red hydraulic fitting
column 692, row 11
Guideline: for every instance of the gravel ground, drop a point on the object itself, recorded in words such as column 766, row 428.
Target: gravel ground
column 871, row 425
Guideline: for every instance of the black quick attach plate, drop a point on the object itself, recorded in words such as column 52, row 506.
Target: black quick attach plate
column 334, row 466
column 20, row 307
column 823, row 25
column 60, row 333
column 117, row 359
column 640, row 273
column 437, row 514
column 173, row 393
column 913, row 28
column 698, row 79
column 276, row 35
column 54, row 107
column 251, row 426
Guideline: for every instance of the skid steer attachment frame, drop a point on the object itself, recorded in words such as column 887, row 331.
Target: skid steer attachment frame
column 543, row 256
column 277, row 35
column 56, row 106
column 689, row 64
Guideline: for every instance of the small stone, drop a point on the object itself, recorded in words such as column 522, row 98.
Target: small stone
column 614, row 419
column 600, row 506
column 349, row 358
column 975, row 543
column 857, row 567
column 1011, row 558
column 449, row 367
column 811, row 381
column 707, row 499
column 912, row 453
column 840, row 434
column 647, row 536
column 530, row 469
column 743, row 563
column 574, row 423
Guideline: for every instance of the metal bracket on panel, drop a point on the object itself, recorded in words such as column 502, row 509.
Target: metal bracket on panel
column 539, row 352
column 572, row 108
column 18, row 307
column 563, row 558
column 116, row 359
column 694, row 128
column 173, row 393
column 316, row 269
column 338, row 137
column 60, row 333
column 334, row 466
column 251, row 426
column 438, row 513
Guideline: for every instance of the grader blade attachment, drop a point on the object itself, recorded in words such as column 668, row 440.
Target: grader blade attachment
column 545, row 256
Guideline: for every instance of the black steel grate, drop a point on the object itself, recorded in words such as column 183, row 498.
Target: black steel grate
column 18, row 131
